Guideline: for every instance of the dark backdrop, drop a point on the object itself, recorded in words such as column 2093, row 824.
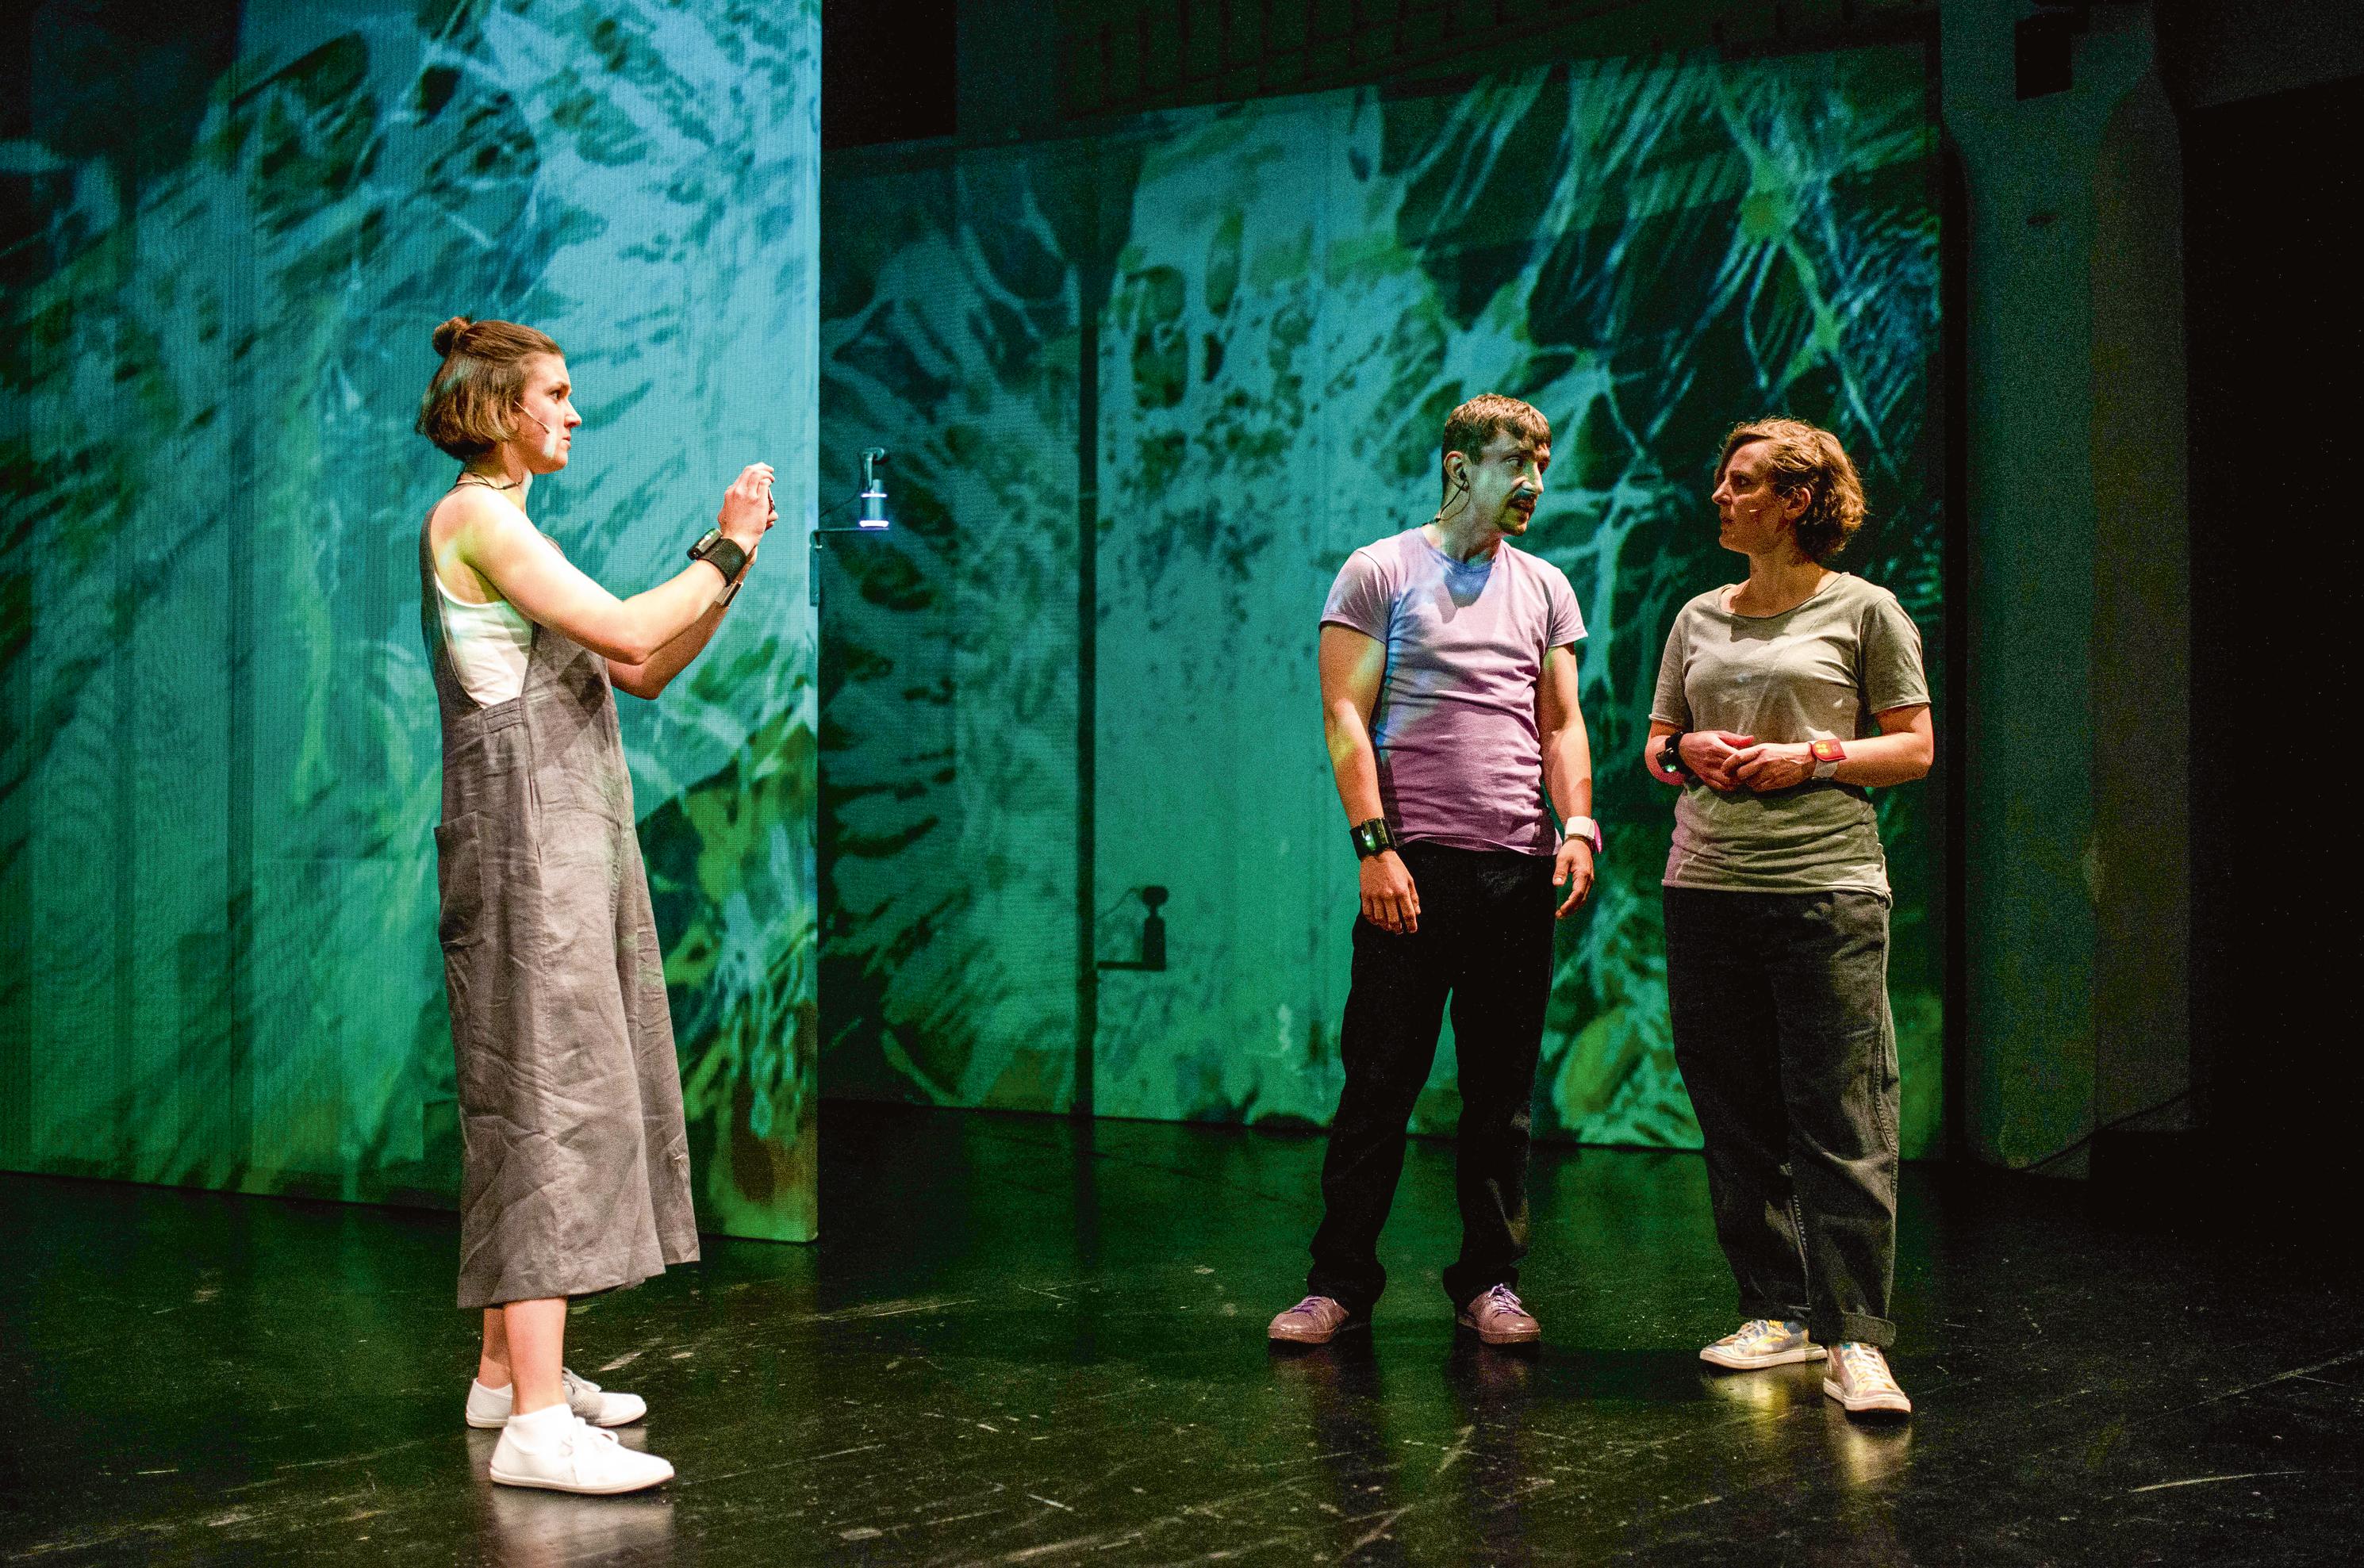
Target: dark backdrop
column 2275, row 487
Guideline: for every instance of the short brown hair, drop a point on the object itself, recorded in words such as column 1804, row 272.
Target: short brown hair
column 468, row 403
column 1468, row 428
column 1806, row 457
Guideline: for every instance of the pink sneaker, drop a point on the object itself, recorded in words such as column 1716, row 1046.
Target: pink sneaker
column 1859, row 1379
column 1316, row 1320
column 1500, row 1317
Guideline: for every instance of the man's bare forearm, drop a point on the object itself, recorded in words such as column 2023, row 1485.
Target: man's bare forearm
column 1355, row 765
column 1567, row 771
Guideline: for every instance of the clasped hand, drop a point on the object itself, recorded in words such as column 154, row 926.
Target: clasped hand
column 1728, row 763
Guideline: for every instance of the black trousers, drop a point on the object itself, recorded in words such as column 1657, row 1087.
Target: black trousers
column 1779, row 1004
column 1484, row 942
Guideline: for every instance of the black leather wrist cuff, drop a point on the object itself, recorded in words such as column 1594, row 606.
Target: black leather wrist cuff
column 729, row 559
column 1372, row 838
column 725, row 555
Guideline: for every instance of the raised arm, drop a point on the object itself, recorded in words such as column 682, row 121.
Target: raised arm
column 648, row 679
column 1351, row 666
column 495, row 541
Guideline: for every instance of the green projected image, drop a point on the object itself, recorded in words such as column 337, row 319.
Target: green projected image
column 222, row 753
column 1271, row 306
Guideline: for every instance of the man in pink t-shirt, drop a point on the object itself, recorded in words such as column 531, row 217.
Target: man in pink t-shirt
column 1448, row 696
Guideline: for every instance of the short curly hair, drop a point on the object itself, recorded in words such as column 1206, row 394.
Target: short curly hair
column 1468, row 428
column 1802, row 456
column 468, row 403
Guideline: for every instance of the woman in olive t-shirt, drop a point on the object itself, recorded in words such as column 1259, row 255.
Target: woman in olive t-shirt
column 1780, row 701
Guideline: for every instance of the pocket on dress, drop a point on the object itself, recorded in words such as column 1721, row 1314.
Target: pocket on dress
column 502, row 741
column 460, row 881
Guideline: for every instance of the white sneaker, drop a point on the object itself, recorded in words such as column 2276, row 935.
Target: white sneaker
column 490, row 1407
column 558, row 1451
column 1763, row 1342
column 1858, row 1378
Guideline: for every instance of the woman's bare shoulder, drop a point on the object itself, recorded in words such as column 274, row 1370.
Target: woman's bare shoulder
column 477, row 512
column 467, row 527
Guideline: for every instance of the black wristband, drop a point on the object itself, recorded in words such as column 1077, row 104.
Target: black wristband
column 1373, row 837
column 1670, row 757
column 723, row 554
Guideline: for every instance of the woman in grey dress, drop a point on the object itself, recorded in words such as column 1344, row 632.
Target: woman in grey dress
column 576, row 1170
column 1780, row 700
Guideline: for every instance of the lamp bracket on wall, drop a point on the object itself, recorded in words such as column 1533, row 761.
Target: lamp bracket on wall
column 1153, row 937
column 872, row 521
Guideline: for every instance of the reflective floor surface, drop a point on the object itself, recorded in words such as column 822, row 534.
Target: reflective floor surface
column 1019, row 1344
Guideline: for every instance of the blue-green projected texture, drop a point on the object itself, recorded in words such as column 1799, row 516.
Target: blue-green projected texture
column 223, row 758
column 949, row 334
column 1296, row 292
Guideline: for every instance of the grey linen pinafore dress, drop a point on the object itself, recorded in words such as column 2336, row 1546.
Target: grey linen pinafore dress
column 575, row 1168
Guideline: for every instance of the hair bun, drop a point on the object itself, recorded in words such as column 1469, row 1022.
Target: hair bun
column 447, row 337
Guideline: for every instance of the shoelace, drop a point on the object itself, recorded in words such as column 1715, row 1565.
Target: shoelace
column 1504, row 1296
column 584, row 1428
column 1865, row 1363
column 1308, row 1305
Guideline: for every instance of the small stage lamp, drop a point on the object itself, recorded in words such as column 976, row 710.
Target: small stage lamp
column 873, row 492
column 871, row 519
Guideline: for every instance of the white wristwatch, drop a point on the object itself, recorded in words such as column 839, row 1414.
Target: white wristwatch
column 1583, row 828
column 1828, row 755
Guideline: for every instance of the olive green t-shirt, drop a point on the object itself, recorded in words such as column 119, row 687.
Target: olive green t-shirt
column 1816, row 671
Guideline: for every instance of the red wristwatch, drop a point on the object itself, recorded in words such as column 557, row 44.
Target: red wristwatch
column 1828, row 755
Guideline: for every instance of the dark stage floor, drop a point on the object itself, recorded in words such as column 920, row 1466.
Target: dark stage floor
column 1012, row 1350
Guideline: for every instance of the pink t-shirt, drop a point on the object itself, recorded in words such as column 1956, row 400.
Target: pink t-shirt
column 1460, row 760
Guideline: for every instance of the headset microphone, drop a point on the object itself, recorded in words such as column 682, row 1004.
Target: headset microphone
column 1460, row 484
column 549, row 436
